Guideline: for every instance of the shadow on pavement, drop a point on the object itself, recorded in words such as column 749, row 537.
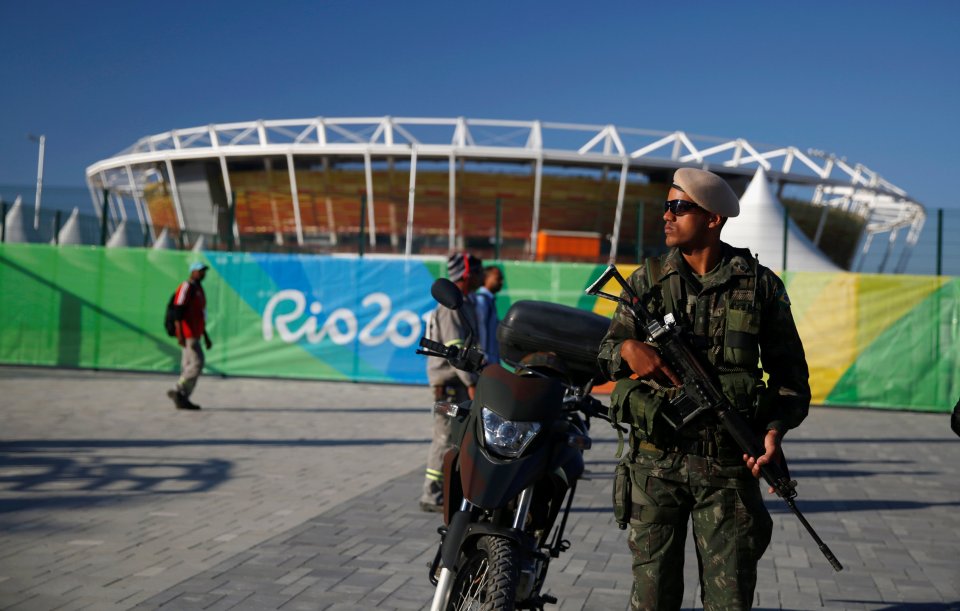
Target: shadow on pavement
column 28, row 445
column 325, row 410
column 843, row 461
column 841, row 506
column 877, row 440
column 52, row 482
column 906, row 606
column 801, row 473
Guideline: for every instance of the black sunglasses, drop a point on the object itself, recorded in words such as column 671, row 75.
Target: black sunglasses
column 679, row 207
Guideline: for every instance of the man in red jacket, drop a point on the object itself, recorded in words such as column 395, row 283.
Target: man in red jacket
column 190, row 320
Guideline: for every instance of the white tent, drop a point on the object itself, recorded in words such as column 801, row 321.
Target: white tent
column 119, row 238
column 164, row 241
column 126, row 235
column 17, row 227
column 760, row 228
column 70, row 232
column 200, row 244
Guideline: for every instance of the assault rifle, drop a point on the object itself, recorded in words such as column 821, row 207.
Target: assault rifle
column 700, row 393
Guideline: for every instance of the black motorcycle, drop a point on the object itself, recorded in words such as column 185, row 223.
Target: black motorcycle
column 518, row 454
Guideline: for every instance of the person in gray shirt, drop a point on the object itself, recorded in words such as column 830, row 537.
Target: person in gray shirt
column 450, row 328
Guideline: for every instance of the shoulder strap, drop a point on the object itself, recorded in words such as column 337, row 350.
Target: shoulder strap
column 672, row 294
column 187, row 294
column 653, row 270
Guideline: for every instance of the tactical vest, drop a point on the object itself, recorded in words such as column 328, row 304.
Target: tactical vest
column 734, row 357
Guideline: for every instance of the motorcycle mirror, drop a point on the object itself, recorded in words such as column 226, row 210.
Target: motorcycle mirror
column 447, row 294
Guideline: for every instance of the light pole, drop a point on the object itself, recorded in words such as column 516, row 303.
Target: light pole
column 42, row 139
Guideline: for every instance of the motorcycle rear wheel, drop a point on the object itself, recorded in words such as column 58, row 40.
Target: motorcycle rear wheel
column 487, row 579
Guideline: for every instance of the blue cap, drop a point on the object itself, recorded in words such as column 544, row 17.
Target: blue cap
column 197, row 266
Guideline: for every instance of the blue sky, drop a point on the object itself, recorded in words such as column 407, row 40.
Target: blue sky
column 877, row 82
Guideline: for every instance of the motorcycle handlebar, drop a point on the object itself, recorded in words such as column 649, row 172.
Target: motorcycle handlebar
column 433, row 346
column 589, row 406
column 468, row 359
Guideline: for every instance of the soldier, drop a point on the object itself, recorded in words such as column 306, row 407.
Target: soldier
column 450, row 328
column 735, row 312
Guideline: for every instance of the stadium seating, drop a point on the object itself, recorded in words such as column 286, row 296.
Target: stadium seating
column 330, row 209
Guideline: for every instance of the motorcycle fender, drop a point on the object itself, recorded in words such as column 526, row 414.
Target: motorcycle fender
column 452, row 541
column 571, row 462
column 452, row 489
column 461, row 532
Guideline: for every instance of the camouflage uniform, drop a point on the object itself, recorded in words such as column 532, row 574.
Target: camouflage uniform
column 735, row 314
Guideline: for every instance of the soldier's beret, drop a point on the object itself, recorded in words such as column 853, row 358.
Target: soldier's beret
column 708, row 190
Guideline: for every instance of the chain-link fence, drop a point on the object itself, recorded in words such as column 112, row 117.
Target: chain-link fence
column 23, row 224
column 502, row 228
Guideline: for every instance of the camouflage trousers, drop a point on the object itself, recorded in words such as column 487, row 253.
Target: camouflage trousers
column 731, row 529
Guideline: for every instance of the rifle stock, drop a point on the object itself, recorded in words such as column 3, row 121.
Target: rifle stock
column 699, row 387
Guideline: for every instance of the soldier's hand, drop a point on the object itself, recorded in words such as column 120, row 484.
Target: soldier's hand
column 646, row 363
column 771, row 445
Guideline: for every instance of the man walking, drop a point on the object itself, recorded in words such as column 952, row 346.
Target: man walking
column 190, row 312
column 450, row 328
column 487, row 318
column 735, row 311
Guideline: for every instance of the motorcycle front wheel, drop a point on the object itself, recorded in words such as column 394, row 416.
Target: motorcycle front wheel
column 487, row 579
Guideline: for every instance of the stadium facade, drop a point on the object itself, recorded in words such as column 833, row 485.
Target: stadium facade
column 509, row 189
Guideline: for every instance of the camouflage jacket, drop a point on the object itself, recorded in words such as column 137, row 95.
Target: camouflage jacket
column 703, row 308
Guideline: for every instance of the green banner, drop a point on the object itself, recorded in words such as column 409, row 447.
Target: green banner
column 886, row 341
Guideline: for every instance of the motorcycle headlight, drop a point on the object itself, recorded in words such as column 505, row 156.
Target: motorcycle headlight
column 506, row 437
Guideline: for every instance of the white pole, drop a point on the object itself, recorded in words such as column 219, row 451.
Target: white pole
column 93, row 196
column 368, row 172
column 410, row 202
column 136, row 197
column 232, row 205
column 452, row 205
column 36, row 206
column 175, row 193
column 535, row 228
column 295, row 198
column 621, row 193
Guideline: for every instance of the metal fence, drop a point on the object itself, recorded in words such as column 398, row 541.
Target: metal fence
column 54, row 226
column 937, row 251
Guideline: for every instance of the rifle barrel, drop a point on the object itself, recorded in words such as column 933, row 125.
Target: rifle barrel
column 823, row 546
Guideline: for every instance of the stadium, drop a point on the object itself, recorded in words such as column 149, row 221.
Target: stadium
column 384, row 199
column 505, row 189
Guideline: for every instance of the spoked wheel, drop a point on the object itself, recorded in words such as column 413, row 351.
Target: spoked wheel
column 487, row 581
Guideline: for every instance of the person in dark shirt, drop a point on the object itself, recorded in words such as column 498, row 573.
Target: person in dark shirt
column 487, row 318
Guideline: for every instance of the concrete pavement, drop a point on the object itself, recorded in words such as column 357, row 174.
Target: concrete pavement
column 302, row 495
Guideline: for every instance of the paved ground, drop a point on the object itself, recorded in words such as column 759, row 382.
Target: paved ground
column 302, row 495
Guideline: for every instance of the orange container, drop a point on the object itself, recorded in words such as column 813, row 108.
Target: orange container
column 561, row 245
